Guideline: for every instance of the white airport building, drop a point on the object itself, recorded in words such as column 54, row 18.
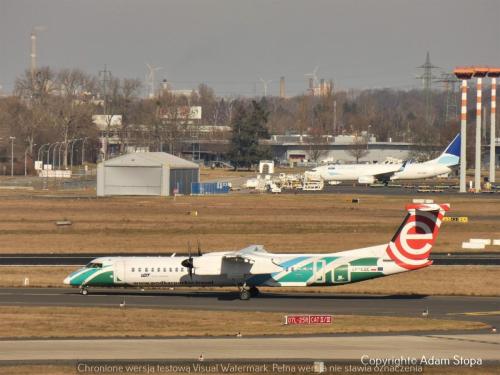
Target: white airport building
column 146, row 173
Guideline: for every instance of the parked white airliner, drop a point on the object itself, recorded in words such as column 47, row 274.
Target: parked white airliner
column 251, row 267
column 369, row 173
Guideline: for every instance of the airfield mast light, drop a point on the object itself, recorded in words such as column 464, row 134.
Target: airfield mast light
column 493, row 73
column 12, row 155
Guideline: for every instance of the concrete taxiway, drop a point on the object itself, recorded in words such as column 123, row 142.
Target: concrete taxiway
column 485, row 309
column 483, row 346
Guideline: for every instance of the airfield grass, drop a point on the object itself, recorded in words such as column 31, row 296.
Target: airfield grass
column 24, row 322
column 434, row 280
column 284, row 223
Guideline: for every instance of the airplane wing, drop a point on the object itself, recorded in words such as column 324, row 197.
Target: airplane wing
column 384, row 177
column 249, row 256
column 245, row 255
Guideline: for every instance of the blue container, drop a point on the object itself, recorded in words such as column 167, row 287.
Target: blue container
column 203, row 188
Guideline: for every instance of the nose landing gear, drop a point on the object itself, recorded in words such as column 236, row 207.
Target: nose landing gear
column 84, row 291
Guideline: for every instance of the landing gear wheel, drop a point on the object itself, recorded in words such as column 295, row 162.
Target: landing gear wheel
column 84, row 291
column 254, row 292
column 245, row 294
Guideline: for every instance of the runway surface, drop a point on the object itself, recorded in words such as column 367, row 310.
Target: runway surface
column 485, row 309
column 439, row 259
column 486, row 347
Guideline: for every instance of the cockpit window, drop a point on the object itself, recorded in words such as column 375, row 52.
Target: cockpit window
column 94, row 265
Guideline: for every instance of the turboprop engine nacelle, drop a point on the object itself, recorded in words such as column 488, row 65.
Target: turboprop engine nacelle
column 366, row 180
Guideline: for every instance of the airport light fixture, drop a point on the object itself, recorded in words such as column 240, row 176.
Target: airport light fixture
column 12, row 155
column 40, row 151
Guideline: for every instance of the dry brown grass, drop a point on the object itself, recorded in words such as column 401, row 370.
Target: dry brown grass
column 435, row 280
column 66, row 369
column 37, row 369
column 286, row 223
column 136, row 322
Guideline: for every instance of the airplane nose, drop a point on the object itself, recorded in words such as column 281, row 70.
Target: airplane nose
column 67, row 280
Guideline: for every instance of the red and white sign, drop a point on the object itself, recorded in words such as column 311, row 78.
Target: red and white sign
column 308, row 319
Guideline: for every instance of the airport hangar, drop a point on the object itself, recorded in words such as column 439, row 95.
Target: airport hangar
column 146, row 173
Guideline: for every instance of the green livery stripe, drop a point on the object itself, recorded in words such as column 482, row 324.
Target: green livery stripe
column 302, row 274
column 79, row 279
column 105, row 278
column 364, row 262
column 329, row 259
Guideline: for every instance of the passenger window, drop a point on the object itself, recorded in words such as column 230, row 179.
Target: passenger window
column 176, row 269
column 164, row 269
column 133, row 269
column 170, row 269
column 139, row 269
column 145, row 270
column 159, row 269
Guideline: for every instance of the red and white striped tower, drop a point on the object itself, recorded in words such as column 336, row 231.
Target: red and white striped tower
column 463, row 138
column 477, row 165
column 463, row 73
column 494, row 73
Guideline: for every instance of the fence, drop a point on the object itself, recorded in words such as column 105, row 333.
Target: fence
column 203, row 188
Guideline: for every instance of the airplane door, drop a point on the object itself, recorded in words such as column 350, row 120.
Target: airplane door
column 341, row 274
column 119, row 272
column 319, row 271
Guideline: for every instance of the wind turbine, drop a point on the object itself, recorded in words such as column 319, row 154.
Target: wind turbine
column 150, row 78
column 264, row 84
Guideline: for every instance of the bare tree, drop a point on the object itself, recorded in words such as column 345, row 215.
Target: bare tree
column 359, row 148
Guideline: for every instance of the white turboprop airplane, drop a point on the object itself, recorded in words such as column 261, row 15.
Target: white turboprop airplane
column 368, row 173
column 252, row 267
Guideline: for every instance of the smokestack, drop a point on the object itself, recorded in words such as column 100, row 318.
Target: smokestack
column 282, row 87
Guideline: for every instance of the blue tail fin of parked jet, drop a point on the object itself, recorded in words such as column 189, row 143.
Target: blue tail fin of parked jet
column 451, row 156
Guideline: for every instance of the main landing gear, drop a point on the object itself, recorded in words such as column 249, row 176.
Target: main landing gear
column 247, row 292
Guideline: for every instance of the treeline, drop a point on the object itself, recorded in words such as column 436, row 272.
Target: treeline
column 58, row 105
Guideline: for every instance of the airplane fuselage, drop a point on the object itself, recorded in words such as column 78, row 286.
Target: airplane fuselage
column 355, row 172
column 288, row 270
column 421, row 170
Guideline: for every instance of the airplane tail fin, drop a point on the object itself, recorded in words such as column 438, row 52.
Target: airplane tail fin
column 411, row 245
column 451, row 155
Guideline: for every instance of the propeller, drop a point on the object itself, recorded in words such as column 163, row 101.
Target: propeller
column 199, row 248
column 188, row 263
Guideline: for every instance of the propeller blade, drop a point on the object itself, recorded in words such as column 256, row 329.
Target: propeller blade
column 199, row 248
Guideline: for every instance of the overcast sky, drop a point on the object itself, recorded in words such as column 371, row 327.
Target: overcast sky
column 230, row 44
